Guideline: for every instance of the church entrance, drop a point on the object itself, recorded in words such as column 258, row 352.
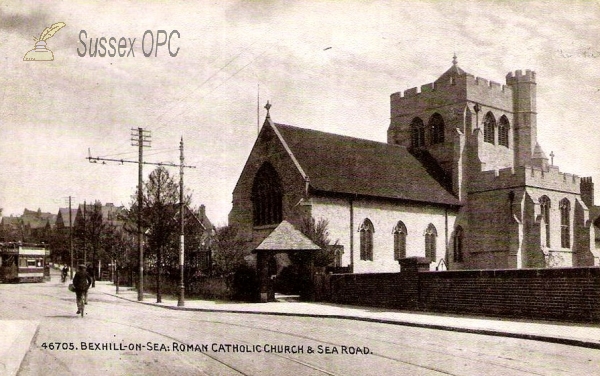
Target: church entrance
column 294, row 279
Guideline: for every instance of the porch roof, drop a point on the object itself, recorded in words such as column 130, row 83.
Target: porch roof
column 285, row 237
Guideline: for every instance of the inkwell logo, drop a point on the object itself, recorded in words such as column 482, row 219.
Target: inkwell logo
column 40, row 52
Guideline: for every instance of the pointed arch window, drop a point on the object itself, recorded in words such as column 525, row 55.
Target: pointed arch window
column 489, row 128
column 417, row 129
column 503, row 131
column 430, row 242
column 400, row 241
column 458, row 244
column 565, row 223
column 436, row 124
column 267, row 195
column 366, row 230
column 545, row 209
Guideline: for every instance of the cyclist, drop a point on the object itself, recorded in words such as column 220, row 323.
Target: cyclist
column 65, row 271
column 81, row 282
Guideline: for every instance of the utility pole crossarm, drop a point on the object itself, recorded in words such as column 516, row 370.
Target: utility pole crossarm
column 141, row 139
column 122, row 161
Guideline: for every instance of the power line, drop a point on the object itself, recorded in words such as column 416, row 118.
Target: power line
column 142, row 139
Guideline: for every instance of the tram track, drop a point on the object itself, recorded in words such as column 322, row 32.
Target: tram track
column 370, row 339
column 312, row 366
column 386, row 351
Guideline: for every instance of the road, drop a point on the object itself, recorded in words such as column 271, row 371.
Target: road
column 119, row 337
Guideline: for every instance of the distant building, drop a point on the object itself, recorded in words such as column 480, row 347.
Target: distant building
column 461, row 181
column 31, row 227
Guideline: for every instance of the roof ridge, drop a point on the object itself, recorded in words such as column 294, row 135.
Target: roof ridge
column 340, row 135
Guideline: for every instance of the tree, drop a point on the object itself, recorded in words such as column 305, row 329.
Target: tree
column 228, row 250
column 318, row 232
column 118, row 247
column 88, row 228
column 160, row 222
column 95, row 230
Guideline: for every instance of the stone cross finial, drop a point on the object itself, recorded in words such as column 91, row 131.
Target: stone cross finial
column 268, row 107
column 551, row 158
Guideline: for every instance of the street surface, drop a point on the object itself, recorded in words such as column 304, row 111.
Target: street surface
column 119, row 337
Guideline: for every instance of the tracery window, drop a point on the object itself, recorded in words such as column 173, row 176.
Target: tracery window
column 545, row 209
column 430, row 240
column 366, row 240
column 489, row 128
column 503, row 131
column 458, row 244
column 436, row 124
column 267, row 196
column 565, row 223
column 417, row 129
column 400, row 241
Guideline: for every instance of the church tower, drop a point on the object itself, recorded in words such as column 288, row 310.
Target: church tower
column 525, row 116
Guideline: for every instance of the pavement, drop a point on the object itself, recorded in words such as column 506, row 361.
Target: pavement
column 573, row 334
column 16, row 336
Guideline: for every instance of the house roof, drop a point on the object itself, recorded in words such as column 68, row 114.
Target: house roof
column 348, row 165
column 285, row 237
column 8, row 221
column 64, row 213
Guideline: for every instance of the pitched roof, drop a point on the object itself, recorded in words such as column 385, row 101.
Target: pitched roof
column 452, row 72
column 538, row 153
column 64, row 213
column 342, row 164
column 285, row 237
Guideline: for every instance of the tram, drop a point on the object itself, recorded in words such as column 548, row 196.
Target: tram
column 20, row 262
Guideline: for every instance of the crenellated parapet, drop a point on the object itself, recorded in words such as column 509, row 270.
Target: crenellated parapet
column 525, row 176
column 518, row 76
column 455, row 83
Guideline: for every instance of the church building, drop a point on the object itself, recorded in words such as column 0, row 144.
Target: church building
column 461, row 182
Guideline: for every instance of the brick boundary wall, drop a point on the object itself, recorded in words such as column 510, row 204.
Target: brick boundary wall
column 565, row 294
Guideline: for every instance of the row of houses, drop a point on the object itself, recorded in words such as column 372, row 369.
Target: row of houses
column 54, row 229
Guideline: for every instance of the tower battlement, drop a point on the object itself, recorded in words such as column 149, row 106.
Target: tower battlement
column 526, row 176
column 467, row 79
column 518, row 76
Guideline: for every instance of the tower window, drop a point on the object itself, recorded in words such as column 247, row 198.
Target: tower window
column 399, row 241
column 458, row 244
column 430, row 240
column 503, row 131
column 417, row 129
column 489, row 128
column 436, row 124
column 565, row 223
column 267, row 196
column 366, row 240
column 545, row 209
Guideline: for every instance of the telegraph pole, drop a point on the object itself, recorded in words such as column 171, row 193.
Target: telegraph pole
column 84, row 234
column 141, row 138
column 71, row 236
column 181, row 301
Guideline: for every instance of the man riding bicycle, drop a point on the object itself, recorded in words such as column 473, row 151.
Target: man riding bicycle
column 81, row 283
column 65, row 271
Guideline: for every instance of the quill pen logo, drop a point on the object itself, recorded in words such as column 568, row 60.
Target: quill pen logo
column 41, row 52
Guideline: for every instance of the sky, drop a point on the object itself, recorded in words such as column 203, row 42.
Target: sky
column 323, row 65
